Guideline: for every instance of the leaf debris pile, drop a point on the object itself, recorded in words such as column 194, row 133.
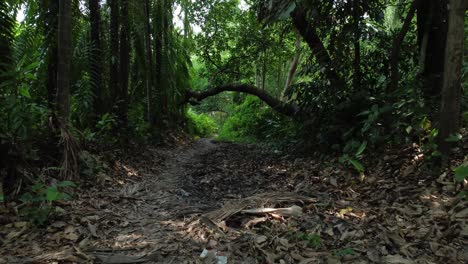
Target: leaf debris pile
column 249, row 205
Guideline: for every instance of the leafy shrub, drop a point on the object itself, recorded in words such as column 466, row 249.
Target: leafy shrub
column 254, row 121
column 201, row 125
column 38, row 202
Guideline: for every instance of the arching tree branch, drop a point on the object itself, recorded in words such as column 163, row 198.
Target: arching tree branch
column 288, row 109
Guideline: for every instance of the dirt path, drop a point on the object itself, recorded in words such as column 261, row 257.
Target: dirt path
column 167, row 205
column 156, row 209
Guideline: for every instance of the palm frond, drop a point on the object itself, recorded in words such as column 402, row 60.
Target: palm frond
column 6, row 34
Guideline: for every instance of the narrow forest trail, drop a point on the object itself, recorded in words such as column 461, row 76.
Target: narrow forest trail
column 168, row 205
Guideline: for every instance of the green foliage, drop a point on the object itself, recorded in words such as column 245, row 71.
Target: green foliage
column 201, row 125
column 343, row 252
column 254, row 121
column 38, row 203
column 90, row 165
column 314, row 240
column 461, row 173
column 428, row 138
column 353, row 153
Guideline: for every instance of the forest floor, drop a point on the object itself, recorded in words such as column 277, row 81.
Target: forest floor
column 204, row 202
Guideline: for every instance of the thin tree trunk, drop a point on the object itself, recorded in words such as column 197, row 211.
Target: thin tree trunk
column 357, row 46
column 158, row 50
column 50, row 38
column 149, row 56
column 124, row 64
column 451, row 91
column 396, row 47
column 64, row 60
column 264, row 70
column 293, row 67
column 114, row 49
column 317, row 47
column 95, row 60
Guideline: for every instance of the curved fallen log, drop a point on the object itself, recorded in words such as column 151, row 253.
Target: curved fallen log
column 289, row 109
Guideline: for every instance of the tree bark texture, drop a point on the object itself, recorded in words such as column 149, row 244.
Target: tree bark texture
column 95, row 60
column 451, row 91
column 149, row 64
column 432, row 17
column 124, row 60
column 114, row 49
column 64, row 60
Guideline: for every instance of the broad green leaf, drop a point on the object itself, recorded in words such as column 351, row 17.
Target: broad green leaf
column 52, row 193
column 361, row 148
column 64, row 196
column 454, row 137
column 425, row 123
column 24, row 92
column 409, row 129
column 66, row 184
column 357, row 165
column 461, row 173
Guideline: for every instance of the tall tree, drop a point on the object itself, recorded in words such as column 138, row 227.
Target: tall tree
column 357, row 45
column 114, row 50
column 95, row 60
column 64, row 60
column 49, row 11
column 432, row 19
column 451, row 90
column 149, row 63
column 124, row 60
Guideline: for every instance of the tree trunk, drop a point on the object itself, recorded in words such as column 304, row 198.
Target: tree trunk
column 396, row 47
column 124, row 61
column 292, row 68
column 64, row 60
column 149, row 61
column 95, row 60
column 432, row 19
column 451, row 91
column 317, row 47
column 264, row 69
column 357, row 46
column 158, row 50
column 114, row 49
column 50, row 10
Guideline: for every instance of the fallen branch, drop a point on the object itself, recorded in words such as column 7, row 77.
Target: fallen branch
column 290, row 211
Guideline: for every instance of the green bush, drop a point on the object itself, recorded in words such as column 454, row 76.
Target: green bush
column 255, row 121
column 201, row 125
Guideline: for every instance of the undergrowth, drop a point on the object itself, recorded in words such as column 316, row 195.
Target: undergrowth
column 253, row 121
column 200, row 125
